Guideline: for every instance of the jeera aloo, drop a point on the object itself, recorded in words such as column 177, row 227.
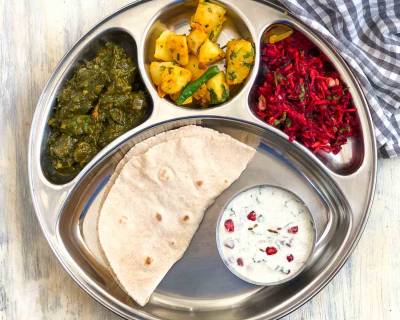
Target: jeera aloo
column 102, row 100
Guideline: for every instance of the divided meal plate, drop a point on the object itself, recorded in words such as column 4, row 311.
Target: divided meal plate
column 338, row 189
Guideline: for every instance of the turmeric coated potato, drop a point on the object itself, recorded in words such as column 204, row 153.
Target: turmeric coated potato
column 209, row 52
column 202, row 95
column 174, row 79
column 178, row 49
column 239, row 60
column 193, row 67
column 156, row 70
column 218, row 88
column 161, row 51
column 209, row 17
column 195, row 39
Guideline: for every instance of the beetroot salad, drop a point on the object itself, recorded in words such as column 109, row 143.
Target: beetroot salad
column 301, row 93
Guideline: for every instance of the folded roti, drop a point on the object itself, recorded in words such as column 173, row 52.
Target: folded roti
column 137, row 149
column 91, row 239
column 157, row 202
column 142, row 147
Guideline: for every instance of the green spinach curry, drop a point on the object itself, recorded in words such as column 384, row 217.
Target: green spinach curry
column 101, row 101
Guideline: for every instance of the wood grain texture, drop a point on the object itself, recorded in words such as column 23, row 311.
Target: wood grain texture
column 33, row 37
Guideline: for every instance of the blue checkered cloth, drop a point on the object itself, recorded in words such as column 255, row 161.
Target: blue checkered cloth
column 367, row 34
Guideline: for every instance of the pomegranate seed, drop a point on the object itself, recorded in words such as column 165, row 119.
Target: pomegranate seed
column 293, row 229
column 229, row 226
column 289, row 258
column 239, row 262
column 271, row 250
column 252, row 216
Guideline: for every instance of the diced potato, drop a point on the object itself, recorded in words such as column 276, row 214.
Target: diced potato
column 156, row 69
column 195, row 39
column 239, row 60
column 161, row 51
column 209, row 17
column 178, row 49
column 174, row 79
column 193, row 66
column 218, row 88
column 202, row 95
column 209, row 52
column 175, row 97
column 161, row 93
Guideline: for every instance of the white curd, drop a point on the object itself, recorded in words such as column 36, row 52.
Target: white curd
column 265, row 235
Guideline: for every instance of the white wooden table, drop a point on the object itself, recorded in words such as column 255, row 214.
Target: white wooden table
column 33, row 37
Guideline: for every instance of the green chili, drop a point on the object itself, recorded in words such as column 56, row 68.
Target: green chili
column 193, row 86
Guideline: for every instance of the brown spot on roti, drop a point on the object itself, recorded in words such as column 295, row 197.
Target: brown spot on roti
column 122, row 220
column 172, row 243
column 185, row 218
column 226, row 181
column 148, row 261
column 165, row 174
column 158, row 216
column 199, row 183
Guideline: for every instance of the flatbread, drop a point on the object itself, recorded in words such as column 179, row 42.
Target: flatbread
column 90, row 223
column 91, row 238
column 142, row 147
column 157, row 202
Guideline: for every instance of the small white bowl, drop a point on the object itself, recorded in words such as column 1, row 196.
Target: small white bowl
column 243, row 277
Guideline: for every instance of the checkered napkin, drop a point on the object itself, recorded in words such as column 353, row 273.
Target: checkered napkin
column 367, row 34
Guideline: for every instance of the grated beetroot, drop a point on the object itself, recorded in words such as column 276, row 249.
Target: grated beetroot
column 302, row 94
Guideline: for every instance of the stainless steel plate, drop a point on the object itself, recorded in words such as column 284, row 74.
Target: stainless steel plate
column 338, row 190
